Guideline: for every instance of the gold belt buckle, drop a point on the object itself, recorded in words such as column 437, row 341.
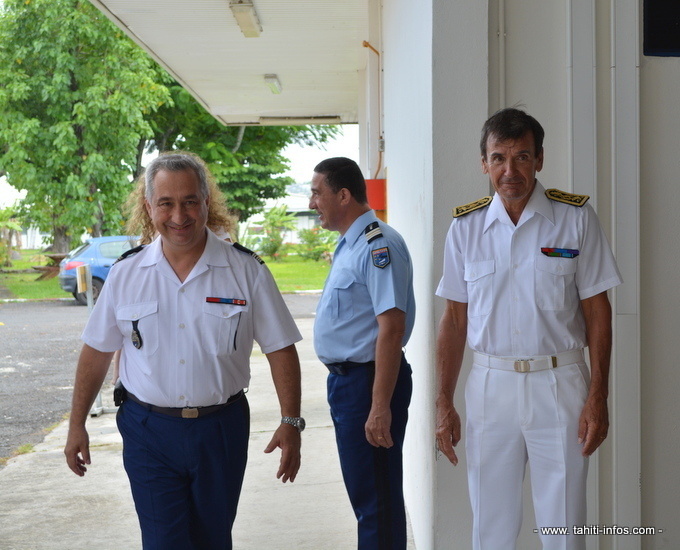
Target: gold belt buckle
column 523, row 365
column 189, row 413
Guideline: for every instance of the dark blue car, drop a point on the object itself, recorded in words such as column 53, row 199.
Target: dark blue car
column 99, row 253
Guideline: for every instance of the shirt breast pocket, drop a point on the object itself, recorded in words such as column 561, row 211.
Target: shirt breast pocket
column 142, row 318
column 555, row 282
column 343, row 307
column 479, row 279
column 219, row 327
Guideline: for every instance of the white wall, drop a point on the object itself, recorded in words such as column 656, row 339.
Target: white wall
column 574, row 66
column 432, row 99
column 407, row 77
column 660, row 298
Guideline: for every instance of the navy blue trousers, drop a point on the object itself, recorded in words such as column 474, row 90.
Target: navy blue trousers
column 373, row 476
column 185, row 474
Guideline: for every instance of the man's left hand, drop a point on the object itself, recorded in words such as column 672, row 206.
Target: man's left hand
column 378, row 427
column 593, row 424
column 287, row 438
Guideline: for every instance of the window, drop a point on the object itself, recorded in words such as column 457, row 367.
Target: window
column 662, row 28
column 114, row 249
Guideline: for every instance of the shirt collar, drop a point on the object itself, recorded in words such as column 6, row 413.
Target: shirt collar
column 538, row 204
column 357, row 228
column 212, row 254
column 154, row 253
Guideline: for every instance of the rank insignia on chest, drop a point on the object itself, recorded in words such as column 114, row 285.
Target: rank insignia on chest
column 381, row 257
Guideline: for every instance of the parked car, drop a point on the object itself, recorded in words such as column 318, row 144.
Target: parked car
column 100, row 253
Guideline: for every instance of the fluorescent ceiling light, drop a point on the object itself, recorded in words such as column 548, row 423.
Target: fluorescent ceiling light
column 273, row 82
column 246, row 17
column 299, row 120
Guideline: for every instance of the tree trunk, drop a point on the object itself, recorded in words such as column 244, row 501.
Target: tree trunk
column 62, row 242
column 141, row 147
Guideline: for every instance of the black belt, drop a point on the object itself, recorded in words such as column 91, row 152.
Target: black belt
column 186, row 412
column 342, row 368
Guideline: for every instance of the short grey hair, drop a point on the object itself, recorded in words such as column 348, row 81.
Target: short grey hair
column 176, row 162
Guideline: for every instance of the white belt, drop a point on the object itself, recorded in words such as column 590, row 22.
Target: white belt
column 529, row 364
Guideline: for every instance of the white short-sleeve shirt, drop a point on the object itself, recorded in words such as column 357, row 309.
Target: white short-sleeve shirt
column 197, row 335
column 523, row 284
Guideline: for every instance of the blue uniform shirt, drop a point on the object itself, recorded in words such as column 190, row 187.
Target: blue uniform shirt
column 367, row 279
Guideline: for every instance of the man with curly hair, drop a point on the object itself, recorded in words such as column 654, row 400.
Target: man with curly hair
column 186, row 310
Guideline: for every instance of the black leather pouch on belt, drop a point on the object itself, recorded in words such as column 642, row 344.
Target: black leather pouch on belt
column 119, row 393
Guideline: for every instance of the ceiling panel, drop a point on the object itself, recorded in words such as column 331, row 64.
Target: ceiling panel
column 313, row 46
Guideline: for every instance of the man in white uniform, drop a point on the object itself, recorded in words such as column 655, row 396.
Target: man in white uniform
column 185, row 310
column 526, row 275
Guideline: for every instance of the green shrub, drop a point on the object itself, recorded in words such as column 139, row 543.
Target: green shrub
column 316, row 243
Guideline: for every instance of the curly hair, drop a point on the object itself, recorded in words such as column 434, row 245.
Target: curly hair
column 140, row 223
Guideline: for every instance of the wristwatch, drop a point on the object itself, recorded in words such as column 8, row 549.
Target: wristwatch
column 296, row 421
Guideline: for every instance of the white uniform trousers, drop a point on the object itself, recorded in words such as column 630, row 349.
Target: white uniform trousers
column 512, row 417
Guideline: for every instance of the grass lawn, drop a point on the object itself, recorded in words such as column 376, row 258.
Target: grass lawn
column 25, row 285
column 292, row 274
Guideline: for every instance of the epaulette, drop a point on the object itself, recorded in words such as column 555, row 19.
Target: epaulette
column 242, row 248
column 372, row 232
column 567, row 198
column 459, row 211
column 130, row 252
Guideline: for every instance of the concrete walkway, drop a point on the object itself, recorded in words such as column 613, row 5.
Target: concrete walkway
column 43, row 506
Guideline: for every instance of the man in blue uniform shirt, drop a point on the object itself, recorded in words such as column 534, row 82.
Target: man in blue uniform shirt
column 364, row 318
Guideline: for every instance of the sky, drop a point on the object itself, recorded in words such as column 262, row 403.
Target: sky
column 304, row 159
column 8, row 195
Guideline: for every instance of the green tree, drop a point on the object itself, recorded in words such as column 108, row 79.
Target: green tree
column 74, row 94
column 246, row 160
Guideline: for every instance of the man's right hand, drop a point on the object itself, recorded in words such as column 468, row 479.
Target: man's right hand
column 77, row 450
column 448, row 430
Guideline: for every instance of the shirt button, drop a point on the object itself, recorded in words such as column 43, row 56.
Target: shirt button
column 181, row 325
column 181, row 398
column 182, row 290
column 182, row 361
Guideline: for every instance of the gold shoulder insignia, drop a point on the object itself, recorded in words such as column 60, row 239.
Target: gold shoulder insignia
column 567, row 198
column 467, row 208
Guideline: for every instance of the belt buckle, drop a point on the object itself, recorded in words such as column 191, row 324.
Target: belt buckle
column 523, row 365
column 189, row 413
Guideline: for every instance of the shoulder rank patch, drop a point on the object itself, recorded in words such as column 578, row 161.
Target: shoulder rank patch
column 242, row 248
column 372, row 232
column 471, row 207
column 381, row 257
column 130, row 252
column 567, row 198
